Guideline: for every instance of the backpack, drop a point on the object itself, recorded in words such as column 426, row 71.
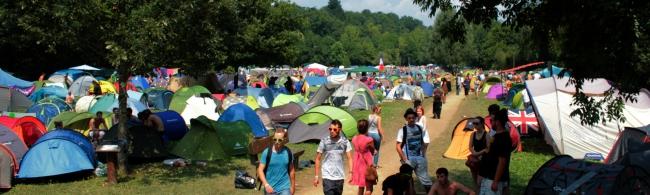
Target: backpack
column 404, row 136
column 269, row 152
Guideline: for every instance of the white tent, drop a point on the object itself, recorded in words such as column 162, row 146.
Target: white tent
column 80, row 86
column 402, row 91
column 200, row 106
column 317, row 66
column 84, row 67
column 566, row 134
column 85, row 103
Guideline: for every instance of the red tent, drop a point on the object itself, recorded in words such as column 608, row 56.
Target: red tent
column 28, row 128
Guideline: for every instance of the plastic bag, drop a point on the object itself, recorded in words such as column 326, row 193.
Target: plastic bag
column 243, row 180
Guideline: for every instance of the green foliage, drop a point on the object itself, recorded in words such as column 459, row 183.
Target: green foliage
column 593, row 39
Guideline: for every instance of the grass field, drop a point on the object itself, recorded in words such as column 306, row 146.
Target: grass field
column 217, row 177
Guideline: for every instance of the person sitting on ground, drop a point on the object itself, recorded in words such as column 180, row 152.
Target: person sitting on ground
column 151, row 120
column 444, row 186
column 95, row 132
column 400, row 183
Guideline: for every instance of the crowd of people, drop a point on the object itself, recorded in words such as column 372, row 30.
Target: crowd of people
column 488, row 162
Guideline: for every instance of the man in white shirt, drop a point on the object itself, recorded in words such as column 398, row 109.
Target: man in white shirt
column 333, row 147
column 412, row 142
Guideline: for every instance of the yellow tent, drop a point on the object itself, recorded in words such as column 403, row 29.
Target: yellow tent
column 459, row 147
column 252, row 102
column 107, row 87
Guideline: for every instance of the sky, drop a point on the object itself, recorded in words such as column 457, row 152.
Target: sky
column 399, row 7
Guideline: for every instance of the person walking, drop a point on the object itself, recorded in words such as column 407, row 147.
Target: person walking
column 459, row 82
column 466, row 84
column 276, row 170
column 494, row 169
column 411, row 146
column 375, row 130
column 477, row 147
column 334, row 147
column 363, row 150
column 438, row 100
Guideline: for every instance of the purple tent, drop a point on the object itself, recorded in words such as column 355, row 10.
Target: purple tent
column 496, row 91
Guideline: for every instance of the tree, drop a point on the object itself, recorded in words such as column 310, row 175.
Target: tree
column 596, row 39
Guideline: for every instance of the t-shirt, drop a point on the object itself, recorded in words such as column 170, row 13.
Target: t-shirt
column 372, row 124
column 277, row 174
column 333, row 152
column 500, row 146
column 414, row 140
column 398, row 182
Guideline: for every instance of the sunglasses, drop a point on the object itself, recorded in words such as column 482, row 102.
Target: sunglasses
column 276, row 140
column 333, row 129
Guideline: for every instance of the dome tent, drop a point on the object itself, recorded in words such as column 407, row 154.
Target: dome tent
column 56, row 153
column 314, row 124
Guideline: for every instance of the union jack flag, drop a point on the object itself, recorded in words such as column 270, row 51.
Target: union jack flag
column 523, row 119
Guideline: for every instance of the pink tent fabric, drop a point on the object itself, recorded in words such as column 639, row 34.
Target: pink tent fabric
column 495, row 92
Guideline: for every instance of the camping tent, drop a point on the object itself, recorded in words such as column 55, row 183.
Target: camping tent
column 282, row 114
column 211, row 140
column 232, row 100
column 85, row 67
column 135, row 105
column 27, row 128
column 252, row 102
column 145, row 143
column 58, row 76
column 343, row 95
column 104, row 103
column 401, row 91
column 56, row 153
column 13, row 101
column 496, row 92
column 159, row 98
column 566, row 134
column 283, row 99
column 10, row 139
column 50, row 91
column 48, row 108
column 140, row 82
column 107, row 87
column 314, row 124
column 85, row 103
column 77, row 121
column 8, row 167
column 8, row 80
column 200, row 106
column 427, row 88
column 460, row 136
column 174, row 125
column 315, row 80
column 630, row 140
column 179, row 100
column 241, row 112
column 80, row 86
column 265, row 98
column 321, row 96
column 545, row 73
column 362, row 100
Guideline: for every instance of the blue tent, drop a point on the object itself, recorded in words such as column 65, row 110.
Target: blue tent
column 72, row 73
column 45, row 92
column 278, row 90
column 556, row 70
column 159, row 98
column 427, row 88
column 174, row 124
column 58, row 152
column 140, row 82
column 265, row 98
column 46, row 109
column 314, row 80
column 248, row 91
column 241, row 112
column 7, row 80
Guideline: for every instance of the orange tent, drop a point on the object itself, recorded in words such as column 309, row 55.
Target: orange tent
column 28, row 128
column 459, row 147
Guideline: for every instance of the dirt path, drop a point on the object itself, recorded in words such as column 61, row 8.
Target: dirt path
column 388, row 158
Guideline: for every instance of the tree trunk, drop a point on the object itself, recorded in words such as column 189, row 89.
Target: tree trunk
column 123, row 76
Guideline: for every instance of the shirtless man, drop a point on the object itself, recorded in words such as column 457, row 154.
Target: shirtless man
column 446, row 187
column 95, row 123
column 151, row 120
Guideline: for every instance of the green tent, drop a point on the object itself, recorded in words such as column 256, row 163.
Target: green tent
column 362, row 100
column 283, row 99
column 393, row 78
column 78, row 121
column 364, row 69
column 178, row 101
column 103, row 103
column 379, row 94
column 517, row 101
column 211, row 140
column 314, row 124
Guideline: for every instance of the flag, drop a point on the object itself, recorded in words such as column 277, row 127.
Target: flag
column 381, row 64
column 523, row 119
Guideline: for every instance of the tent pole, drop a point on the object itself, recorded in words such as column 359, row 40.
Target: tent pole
column 559, row 118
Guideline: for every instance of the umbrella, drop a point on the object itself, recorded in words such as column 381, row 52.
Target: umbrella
column 364, row 69
column 84, row 67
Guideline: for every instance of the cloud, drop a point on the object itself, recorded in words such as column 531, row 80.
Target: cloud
column 399, row 7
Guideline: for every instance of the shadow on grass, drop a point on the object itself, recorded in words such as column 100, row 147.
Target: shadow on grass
column 147, row 174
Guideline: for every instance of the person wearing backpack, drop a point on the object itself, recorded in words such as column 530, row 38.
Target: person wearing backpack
column 412, row 142
column 276, row 170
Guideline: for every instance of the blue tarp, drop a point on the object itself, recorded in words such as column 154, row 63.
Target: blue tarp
column 241, row 112
column 55, row 91
column 58, row 152
column 556, row 70
column 427, row 88
column 313, row 80
column 7, row 80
